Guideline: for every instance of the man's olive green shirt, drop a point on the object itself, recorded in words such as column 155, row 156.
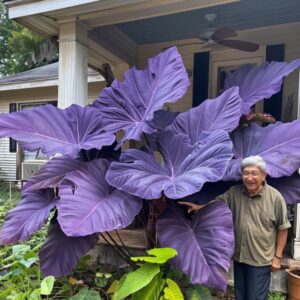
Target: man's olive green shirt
column 256, row 222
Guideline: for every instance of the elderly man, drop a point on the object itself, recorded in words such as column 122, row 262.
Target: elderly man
column 260, row 225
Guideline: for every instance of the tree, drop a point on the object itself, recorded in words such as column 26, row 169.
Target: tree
column 20, row 48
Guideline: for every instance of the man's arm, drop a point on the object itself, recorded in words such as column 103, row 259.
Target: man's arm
column 280, row 244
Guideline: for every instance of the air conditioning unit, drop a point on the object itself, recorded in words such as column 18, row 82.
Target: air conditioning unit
column 30, row 167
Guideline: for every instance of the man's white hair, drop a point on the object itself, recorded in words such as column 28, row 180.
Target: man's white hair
column 255, row 160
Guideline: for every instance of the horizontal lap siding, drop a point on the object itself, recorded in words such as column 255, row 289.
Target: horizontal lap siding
column 7, row 159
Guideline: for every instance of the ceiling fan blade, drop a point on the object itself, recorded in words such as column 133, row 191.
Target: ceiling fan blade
column 223, row 33
column 183, row 45
column 239, row 45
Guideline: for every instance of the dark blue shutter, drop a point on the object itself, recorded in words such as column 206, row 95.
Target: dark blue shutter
column 273, row 105
column 200, row 77
column 12, row 142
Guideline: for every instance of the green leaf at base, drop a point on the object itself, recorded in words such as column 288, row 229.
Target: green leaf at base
column 136, row 280
column 152, row 290
column 159, row 255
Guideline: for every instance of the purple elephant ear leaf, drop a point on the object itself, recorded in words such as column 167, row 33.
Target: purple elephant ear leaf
column 52, row 173
column 204, row 244
column 27, row 217
column 161, row 120
column 288, row 186
column 55, row 130
column 94, row 206
column 209, row 192
column 186, row 168
column 60, row 253
column 223, row 113
column 278, row 144
column 129, row 105
column 257, row 83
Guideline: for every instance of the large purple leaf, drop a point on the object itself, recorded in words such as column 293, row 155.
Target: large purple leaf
column 186, row 167
column 52, row 173
column 221, row 113
column 129, row 105
column 288, row 186
column 161, row 120
column 55, row 130
column 94, row 206
column 209, row 192
column 260, row 82
column 204, row 244
column 278, row 144
column 60, row 253
column 27, row 218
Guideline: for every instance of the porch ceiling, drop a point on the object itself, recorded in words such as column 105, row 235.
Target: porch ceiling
column 153, row 21
column 242, row 15
column 120, row 26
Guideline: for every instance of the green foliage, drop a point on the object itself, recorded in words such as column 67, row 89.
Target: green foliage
column 136, row 280
column 102, row 279
column 152, row 290
column 86, row 294
column 198, row 292
column 149, row 280
column 158, row 255
column 172, row 291
column 47, row 285
column 17, row 45
column 275, row 296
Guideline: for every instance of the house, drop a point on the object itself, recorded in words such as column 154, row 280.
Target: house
column 126, row 32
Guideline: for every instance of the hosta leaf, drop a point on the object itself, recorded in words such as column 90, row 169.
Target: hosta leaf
column 129, row 105
column 172, row 291
column 159, row 255
column 86, row 294
column 278, row 144
column 288, row 186
column 136, row 280
column 152, row 290
column 55, row 130
column 27, row 217
column 204, row 244
column 185, row 169
column 52, row 173
column 221, row 113
column 60, row 254
column 260, row 82
column 94, row 206
column 47, row 285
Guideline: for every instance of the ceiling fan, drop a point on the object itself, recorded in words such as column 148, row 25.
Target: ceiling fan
column 212, row 36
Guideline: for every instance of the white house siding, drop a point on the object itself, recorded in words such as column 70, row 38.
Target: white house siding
column 8, row 159
column 272, row 35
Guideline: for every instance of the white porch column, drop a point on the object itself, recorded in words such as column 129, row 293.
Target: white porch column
column 296, row 241
column 73, row 85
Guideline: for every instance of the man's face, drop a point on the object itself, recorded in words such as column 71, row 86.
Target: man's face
column 253, row 178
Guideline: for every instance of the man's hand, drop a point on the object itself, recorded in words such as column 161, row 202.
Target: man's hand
column 191, row 207
column 276, row 264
